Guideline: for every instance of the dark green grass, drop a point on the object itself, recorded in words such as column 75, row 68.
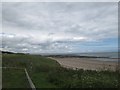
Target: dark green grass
column 37, row 67
column 47, row 73
column 14, row 78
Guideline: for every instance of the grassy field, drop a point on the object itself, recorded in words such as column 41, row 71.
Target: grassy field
column 47, row 73
column 14, row 78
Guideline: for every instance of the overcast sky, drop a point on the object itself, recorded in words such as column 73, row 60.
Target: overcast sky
column 61, row 27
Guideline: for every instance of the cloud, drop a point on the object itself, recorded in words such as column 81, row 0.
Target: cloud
column 53, row 27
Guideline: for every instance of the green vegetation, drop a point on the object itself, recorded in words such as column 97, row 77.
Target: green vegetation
column 47, row 73
column 14, row 78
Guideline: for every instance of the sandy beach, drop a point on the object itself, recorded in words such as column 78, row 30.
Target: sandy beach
column 86, row 63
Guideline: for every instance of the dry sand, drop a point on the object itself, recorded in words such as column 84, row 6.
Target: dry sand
column 86, row 63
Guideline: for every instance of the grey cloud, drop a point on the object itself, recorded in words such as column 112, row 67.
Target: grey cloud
column 23, row 44
column 52, row 26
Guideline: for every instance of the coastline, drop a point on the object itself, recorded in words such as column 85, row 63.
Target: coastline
column 86, row 63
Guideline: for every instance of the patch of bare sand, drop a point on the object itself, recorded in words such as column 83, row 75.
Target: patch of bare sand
column 86, row 63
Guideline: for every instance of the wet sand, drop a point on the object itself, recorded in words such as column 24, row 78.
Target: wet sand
column 86, row 63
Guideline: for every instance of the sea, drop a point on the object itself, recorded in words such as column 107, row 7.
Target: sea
column 102, row 56
column 105, row 56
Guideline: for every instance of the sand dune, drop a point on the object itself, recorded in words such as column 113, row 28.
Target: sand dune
column 86, row 63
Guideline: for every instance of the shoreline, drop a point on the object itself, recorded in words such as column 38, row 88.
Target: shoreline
column 86, row 63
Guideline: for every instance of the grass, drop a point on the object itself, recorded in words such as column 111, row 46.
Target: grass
column 37, row 67
column 14, row 78
column 47, row 73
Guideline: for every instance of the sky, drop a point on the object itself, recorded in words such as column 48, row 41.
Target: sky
column 59, row 27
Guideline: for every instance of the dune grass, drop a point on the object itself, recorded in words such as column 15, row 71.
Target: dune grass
column 14, row 78
column 47, row 73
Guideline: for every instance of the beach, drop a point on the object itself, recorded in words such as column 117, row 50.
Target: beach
column 86, row 63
